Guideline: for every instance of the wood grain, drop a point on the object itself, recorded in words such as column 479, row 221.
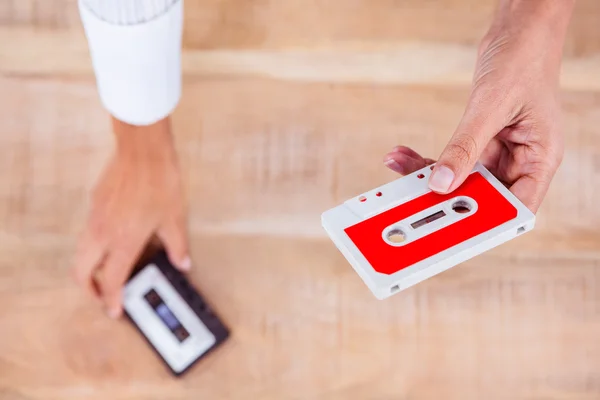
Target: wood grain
column 382, row 41
column 271, row 133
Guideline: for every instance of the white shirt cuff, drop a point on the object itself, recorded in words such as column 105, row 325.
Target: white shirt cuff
column 137, row 66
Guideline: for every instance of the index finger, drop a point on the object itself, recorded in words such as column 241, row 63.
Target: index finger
column 119, row 264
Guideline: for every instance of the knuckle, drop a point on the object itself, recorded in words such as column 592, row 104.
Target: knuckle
column 462, row 149
column 484, row 44
column 542, row 174
column 548, row 155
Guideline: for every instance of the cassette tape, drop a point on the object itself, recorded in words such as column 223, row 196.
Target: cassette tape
column 402, row 233
column 173, row 317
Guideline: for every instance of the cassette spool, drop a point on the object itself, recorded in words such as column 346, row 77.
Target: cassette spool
column 172, row 315
column 402, row 233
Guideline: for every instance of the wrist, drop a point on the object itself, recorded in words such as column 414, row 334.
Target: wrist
column 534, row 26
column 554, row 14
column 154, row 140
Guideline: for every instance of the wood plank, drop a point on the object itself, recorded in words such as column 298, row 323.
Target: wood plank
column 500, row 324
column 262, row 159
column 310, row 24
column 46, row 14
column 288, row 109
column 65, row 54
column 271, row 154
column 369, row 41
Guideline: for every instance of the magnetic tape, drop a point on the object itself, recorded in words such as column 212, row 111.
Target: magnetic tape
column 402, row 233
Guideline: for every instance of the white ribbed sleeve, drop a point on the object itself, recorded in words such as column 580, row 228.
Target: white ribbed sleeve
column 128, row 12
column 135, row 48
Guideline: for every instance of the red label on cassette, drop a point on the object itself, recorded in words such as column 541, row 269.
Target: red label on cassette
column 493, row 210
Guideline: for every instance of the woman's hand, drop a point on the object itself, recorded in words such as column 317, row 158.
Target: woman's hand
column 138, row 197
column 511, row 122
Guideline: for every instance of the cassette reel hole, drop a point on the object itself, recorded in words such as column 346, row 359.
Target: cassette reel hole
column 396, row 236
column 461, row 207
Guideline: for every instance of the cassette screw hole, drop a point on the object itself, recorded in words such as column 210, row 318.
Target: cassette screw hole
column 378, row 194
column 362, row 199
column 394, row 288
column 461, row 207
column 420, row 176
column 396, row 236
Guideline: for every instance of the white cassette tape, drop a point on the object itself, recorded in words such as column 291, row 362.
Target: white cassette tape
column 402, row 233
column 172, row 315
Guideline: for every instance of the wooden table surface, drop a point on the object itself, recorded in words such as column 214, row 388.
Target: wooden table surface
column 288, row 108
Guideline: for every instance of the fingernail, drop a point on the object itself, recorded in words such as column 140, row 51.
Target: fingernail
column 114, row 313
column 186, row 264
column 441, row 179
column 393, row 164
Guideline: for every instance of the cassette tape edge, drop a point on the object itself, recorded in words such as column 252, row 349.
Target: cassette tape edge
column 459, row 254
column 382, row 285
column 349, row 255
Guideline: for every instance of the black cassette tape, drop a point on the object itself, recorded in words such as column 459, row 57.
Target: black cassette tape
column 171, row 314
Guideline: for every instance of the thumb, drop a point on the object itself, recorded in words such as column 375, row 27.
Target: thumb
column 481, row 122
column 173, row 235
